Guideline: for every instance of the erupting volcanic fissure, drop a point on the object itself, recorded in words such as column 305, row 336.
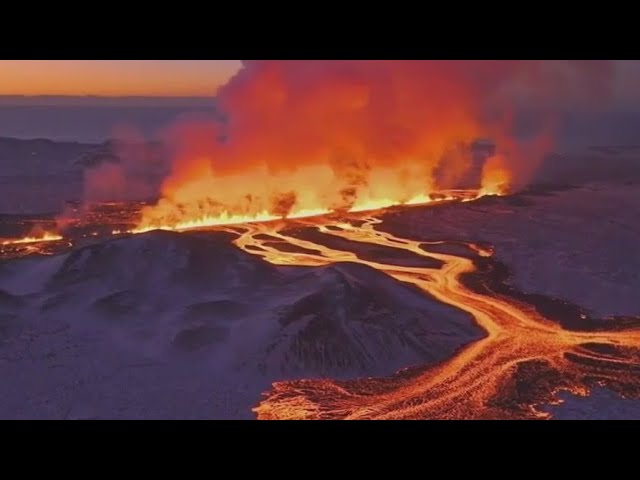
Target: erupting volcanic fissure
column 295, row 139
column 46, row 237
column 306, row 137
column 226, row 218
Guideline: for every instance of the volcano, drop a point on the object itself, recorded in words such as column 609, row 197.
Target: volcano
column 360, row 239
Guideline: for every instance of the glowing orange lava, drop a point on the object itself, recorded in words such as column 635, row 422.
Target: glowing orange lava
column 226, row 218
column 46, row 237
column 496, row 177
column 479, row 381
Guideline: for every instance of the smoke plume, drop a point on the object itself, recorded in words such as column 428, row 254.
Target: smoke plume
column 341, row 134
column 129, row 169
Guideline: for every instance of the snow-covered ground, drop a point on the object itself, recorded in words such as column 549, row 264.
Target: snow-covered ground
column 168, row 325
column 580, row 245
column 601, row 404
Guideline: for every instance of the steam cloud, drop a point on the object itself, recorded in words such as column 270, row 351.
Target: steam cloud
column 131, row 171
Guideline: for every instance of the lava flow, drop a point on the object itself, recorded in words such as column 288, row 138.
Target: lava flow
column 522, row 362
column 44, row 244
column 46, row 237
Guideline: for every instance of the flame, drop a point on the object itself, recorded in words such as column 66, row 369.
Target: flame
column 227, row 218
column 496, row 178
column 46, row 237
column 200, row 198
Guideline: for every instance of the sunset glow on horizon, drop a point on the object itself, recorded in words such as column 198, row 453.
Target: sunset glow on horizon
column 181, row 78
column 115, row 77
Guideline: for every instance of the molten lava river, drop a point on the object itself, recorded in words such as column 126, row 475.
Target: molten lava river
column 521, row 363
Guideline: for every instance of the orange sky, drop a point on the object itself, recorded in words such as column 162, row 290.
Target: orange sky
column 173, row 77
column 114, row 77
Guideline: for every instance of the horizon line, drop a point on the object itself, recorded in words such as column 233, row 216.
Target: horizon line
column 107, row 101
column 50, row 95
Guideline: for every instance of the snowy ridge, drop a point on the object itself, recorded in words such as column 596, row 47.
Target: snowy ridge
column 202, row 316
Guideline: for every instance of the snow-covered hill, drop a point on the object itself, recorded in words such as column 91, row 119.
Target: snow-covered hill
column 169, row 325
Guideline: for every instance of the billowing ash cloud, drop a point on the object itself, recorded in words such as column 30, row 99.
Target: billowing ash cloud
column 332, row 134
